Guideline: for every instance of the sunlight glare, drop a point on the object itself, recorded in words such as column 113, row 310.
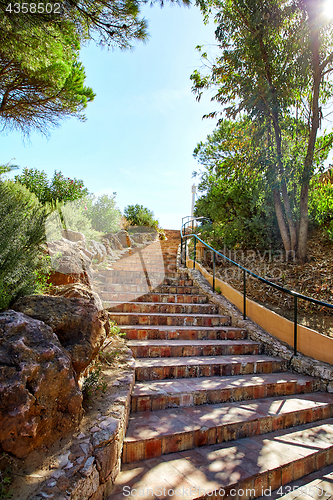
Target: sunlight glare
column 328, row 9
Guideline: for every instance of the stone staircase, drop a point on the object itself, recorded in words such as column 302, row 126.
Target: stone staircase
column 210, row 411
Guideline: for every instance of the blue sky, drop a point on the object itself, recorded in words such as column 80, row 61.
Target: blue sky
column 143, row 125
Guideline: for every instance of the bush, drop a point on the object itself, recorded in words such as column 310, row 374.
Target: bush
column 73, row 216
column 22, row 232
column 137, row 215
column 103, row 213
column 242, row 213
column 59, row 189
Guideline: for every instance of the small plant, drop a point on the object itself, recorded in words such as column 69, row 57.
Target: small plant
column 218, row 290
column 94, row 382
column 115, row 330
column 6, row 472
column 109, row 357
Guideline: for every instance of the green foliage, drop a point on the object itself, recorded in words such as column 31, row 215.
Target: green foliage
column 41, row 77
column 71, row 215
column 7, row 465
column 103, row 213
column 275, row 66
column 22, row 233
column 234, row 186
column 138, row 215
column 59, row 189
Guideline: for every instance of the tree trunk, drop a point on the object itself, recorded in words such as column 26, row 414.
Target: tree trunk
column 304, row 223
column 308, row 162
column 281, row 222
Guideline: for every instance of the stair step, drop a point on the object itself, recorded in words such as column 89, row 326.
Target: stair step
column 318, row 485
column 143, row 288
column 205, row 366
column 152, row 434
column 183, row 332
column 178, row 289
column 153, row 297
column 162, row 394
column 169, row 319
column 163, row 307
column 259, row 463
column 142, row 278
column 178, row 348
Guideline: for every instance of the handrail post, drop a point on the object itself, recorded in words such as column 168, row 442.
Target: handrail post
column 214, row 259
column 295, row 325
column 181, row 249
column 244, row 294
column 185, row 251
column 195, row 252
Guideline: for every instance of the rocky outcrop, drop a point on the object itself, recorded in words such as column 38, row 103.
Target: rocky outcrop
column 40, row 400
column 79, row 325
column 70, row 235
column 97, row 250
column 78, row 291
column 114, row 242
column 71, row 262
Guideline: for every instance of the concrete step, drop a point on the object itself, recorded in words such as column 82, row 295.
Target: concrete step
column 205, row 366
column 163, row 307
column 245, row 468
column 183, row 332
column 155, row 297
column 169, row 319
column 190, row 348
column 162, row 394
column 152, row 434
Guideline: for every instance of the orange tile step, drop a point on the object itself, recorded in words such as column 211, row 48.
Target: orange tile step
column 169, row 319
column 152, row 434
column 146, row 332
column 206, row 366
column 239, row 469
column 162, row 394
column 164, row 307
column 178, row 348
column 156, row 297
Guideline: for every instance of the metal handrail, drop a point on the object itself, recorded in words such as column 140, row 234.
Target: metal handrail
column 296, row 295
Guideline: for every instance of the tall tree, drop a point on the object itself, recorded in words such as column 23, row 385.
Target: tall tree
column 276, row 63
column 41, row 78
column 115, row 23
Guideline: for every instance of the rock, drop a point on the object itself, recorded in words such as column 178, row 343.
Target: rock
column 79, row 291
column 138, row 237
column 72, row 235
column 114, row 242
column 80, row 327
column 98, row 251
column 108, row 248
column 40, row 400
column 71, row 262
column 124, row 238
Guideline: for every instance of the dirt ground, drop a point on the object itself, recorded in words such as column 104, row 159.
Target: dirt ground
column 313, row 279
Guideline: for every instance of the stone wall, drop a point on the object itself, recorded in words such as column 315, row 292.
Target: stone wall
column 87, row 467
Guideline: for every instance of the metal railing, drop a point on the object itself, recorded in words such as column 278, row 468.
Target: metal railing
column 184, row 247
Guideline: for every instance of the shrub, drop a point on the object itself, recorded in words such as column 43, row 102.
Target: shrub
column 22, row 232
column 138, row 215
column 103, row 213
column 59, row 189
